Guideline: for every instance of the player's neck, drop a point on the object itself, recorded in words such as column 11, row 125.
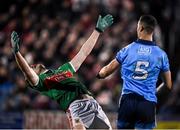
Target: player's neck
column 146, row 37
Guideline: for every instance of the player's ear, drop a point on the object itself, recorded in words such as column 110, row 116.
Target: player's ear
column 142, row 28
column 41, row 67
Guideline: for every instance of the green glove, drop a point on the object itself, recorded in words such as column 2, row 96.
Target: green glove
column 104, row 22
column 15, row 41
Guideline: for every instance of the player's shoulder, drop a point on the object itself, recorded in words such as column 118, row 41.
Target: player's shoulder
column 126, row 47
column 125, row 50
column 160, row 51
column 66, row 66
column 130, row 45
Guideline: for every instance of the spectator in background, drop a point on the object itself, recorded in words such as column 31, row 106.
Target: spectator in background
column 38, row 20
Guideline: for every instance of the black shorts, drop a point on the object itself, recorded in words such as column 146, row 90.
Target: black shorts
column 136, row 112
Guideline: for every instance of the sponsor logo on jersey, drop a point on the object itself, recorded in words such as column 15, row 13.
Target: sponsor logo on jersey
column 144, row 50
column 58, row 77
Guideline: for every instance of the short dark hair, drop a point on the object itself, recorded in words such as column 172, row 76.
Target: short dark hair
column 148, row 22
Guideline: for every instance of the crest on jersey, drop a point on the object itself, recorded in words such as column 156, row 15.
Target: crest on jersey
column 144, row 50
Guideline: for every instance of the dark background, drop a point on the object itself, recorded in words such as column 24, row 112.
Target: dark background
column 52, row 32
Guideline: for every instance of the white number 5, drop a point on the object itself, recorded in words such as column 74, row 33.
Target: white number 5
column 141, row 73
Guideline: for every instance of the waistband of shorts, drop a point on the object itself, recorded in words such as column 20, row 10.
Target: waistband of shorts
column 84, row 96
column 134, row 95
column 81, row 97
column 137, row 97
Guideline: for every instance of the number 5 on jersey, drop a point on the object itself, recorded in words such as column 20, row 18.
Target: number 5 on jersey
column 140, row 70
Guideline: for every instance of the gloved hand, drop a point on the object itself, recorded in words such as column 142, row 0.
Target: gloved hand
column 104, row 22
column 15, row 41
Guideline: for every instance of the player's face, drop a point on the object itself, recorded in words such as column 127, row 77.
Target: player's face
column 139, row 29
column 38, row 68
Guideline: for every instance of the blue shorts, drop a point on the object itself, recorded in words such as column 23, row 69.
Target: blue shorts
column 136, row 112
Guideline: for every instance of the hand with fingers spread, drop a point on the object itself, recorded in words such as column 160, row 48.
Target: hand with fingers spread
column 15, row 41
column 104, row 22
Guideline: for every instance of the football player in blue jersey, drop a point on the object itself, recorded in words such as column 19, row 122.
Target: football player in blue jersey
column 141, row 63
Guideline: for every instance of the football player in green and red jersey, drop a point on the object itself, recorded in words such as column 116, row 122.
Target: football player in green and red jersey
column 60, row 85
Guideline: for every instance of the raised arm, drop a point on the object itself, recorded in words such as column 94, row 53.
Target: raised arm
column 108, row 69
column 87, row 47
column 28, row 72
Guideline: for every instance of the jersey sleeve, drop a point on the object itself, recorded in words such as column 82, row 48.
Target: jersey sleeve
column 165, row 63
column 67, row 67
column 39, row 87
column 121, row 55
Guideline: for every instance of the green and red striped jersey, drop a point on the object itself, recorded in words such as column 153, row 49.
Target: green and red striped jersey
column 61, row 85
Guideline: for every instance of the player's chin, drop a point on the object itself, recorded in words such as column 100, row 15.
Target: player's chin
column 40, row 71
column 37, row 71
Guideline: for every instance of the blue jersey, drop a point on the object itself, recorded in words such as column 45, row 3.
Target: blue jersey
column 142, row 61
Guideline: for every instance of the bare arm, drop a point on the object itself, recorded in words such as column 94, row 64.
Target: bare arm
column 108, row 69
column 87, row 47
column 28, row 72
column 166, row 86
column 85, row 50
column 167, row 79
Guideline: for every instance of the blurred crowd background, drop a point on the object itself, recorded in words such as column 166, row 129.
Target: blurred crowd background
column 52, row 32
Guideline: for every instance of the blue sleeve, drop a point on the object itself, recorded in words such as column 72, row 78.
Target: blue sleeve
column 120, row 56
column 165, row 63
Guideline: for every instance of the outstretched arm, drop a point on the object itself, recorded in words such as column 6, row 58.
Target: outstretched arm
column 87, row 47
column 108, row 69
column 85, row 50
column 28, row 72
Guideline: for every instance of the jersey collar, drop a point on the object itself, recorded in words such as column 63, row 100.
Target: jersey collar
column 46, row 71
column 146, row 42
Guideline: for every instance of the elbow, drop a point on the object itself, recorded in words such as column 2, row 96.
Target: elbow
column 102, row 74
column 33, row 80
column 169, row 85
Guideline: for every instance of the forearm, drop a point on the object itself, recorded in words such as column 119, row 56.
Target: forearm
column 25, row 68
column 85, row 50
column 104, row 72
column 108, row 69
column 102, row 24
column 23, row 65
column 90, row 43
column 168, row 81
column 160, row 87
column 166, row 77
